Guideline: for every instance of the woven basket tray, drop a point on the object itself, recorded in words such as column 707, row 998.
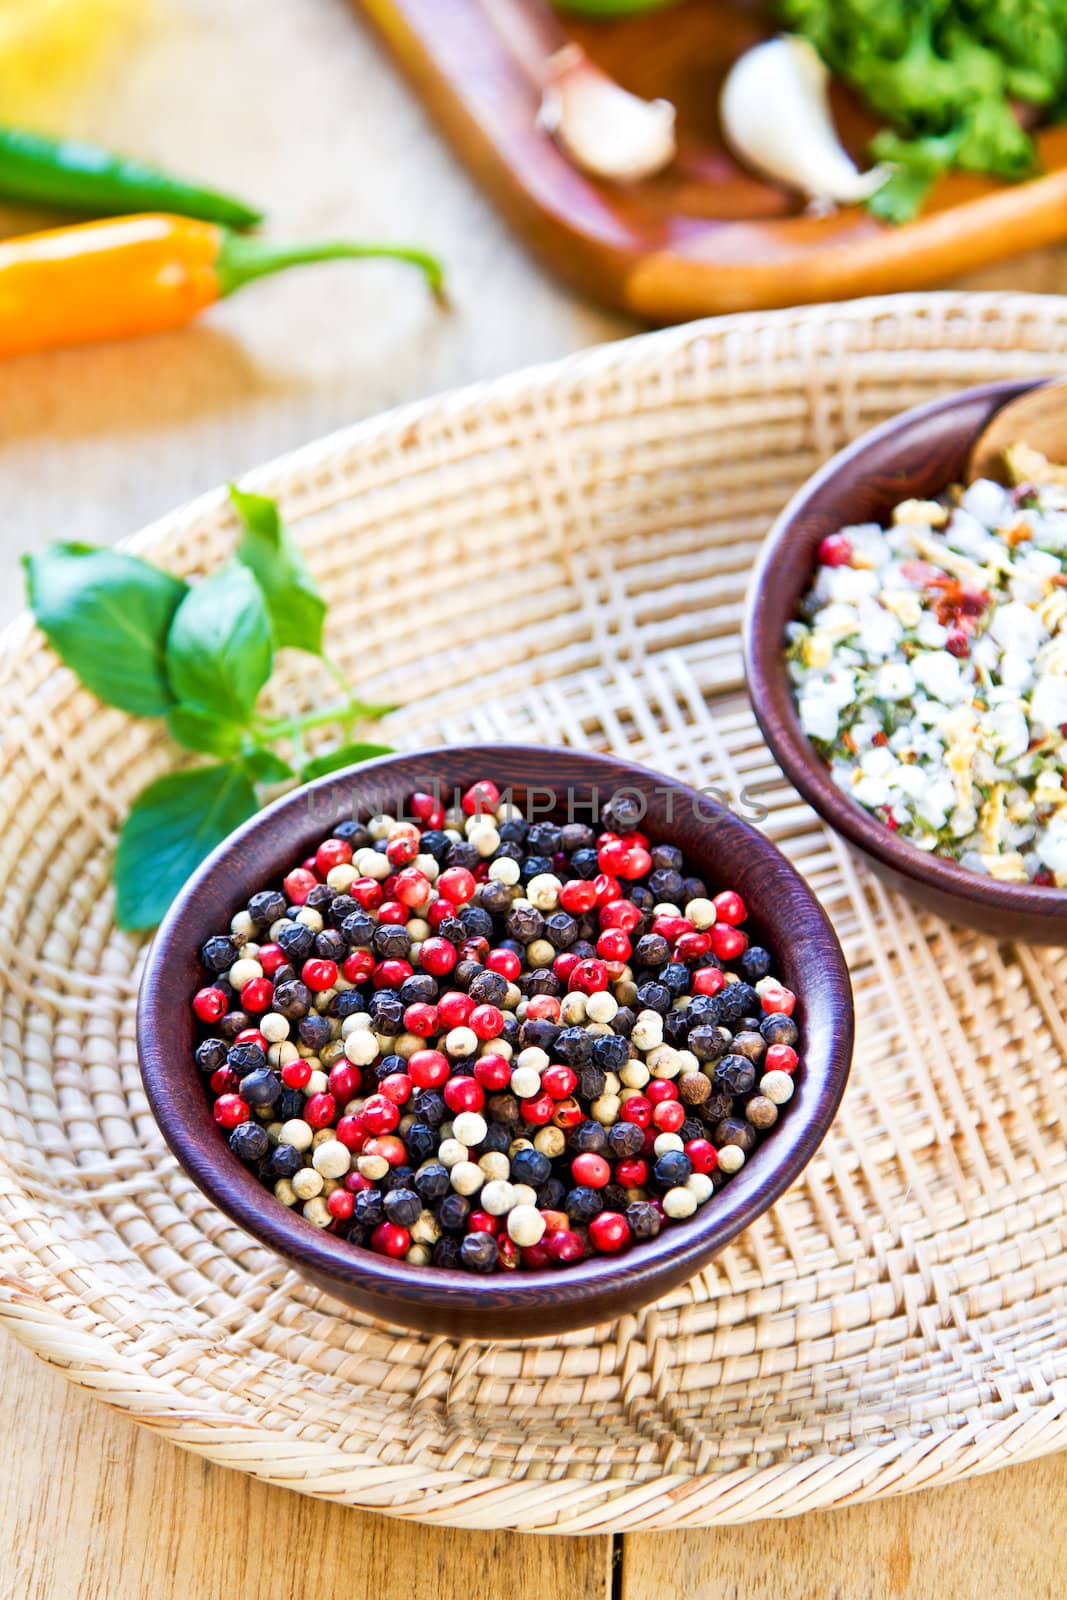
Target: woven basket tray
column 585, row 532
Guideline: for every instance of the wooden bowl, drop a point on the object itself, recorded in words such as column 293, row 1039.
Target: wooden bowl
column 916, row 454
column 783, row 911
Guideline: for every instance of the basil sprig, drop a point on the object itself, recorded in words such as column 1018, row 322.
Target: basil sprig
column 197, row 655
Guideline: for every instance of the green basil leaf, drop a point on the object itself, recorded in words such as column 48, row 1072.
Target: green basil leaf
column 107, row 615
column 346, row 755
column 219, row 651
column 172, row 826
column 263, row 766
column 297, row 609
column 204, row 731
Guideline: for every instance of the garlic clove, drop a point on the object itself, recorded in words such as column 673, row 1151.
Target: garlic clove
column 775, row 114
column 604, row 129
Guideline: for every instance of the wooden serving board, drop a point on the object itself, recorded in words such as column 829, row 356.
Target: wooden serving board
column 705, row 236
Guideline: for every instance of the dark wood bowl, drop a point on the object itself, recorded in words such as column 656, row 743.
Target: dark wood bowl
column 784, row 913
column 917, row 454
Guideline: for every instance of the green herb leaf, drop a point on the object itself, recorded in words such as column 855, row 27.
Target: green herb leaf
column 172, row 826
column 346, row 755
column 204, row 731
column 296, row 607
column 107, row 615
column 219, row 651
column 263, row 766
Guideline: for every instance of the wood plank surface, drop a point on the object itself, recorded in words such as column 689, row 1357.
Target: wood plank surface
column 95, row 443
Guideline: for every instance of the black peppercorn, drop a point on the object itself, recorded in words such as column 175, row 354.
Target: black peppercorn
column 435, row 843
column 330, row 945
column 369, row 1208
column 588, row 1136
column 779, row 1029
column 591, row 1081
column 626, row 1139
column 387, row 1011
column 738, row 1000
column 403, row 1207
column 539, row 1034
column 750, row 1044
column 345, row 1003
column 211, row 1054
column 432, row 1182
column 446, row 1254
column 429, row 1106
column 576, row 836
column 503, row 1108
column 676, row 1029
column 266, row 907
column 244, row 1058
column 462, row 854
column 644, row 1219
column 314, row 1031
column 573, row 1046
column 390, row 941
column 219, row 954
column 235, row 1022
column 421, row 1141
column 358, row 929
column 671, row 1169
column 495, row 898
column 731, row 1130
column 452, row 1213
column 514, row 830
column 675, row 978
column 290, row 1105
column 497, row 1138
column 478, row 1252
column 541, row 981
column 419, row 989
column 707, row 1043
column 292, row 1000
column 285, row 1159
column 585, row 864
column 735, row 1073
column 249, row 1141
column 551, row 1195
column 353, row 832
column 261, row 1088
column 488, row 988
column 583, row 1204
column 611, row 1051
column 754, row 963
column 525, row 924
column 297, row 941
column 615, row 1197
column 623, row 1021
column 530, row 1166
column 561, row 930
column 654, row 997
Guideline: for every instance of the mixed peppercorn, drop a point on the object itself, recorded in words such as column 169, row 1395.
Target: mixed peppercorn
column 471, row 1040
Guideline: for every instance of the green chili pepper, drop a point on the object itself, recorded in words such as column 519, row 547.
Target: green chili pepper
column 85, row 177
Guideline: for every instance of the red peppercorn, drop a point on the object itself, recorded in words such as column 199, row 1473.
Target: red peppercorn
column 636, row 863
column 357, row 966
column 457, row 885
column 463, row 1094
column 319, row 975
column 614, row 945
column 727, row 942
column 482, row 1222
column 352, row 1133
column 555, row 1221
column 611, row 855
column 393, row 912
column 507, row 1254
column 559, row 1081
column 703, row 1155
column 357, row 1182
column 437, row 956
column 660, row 1089
column 542, row 1008
column 401, row 849
column 668, row 1116
column 568, row 1113
column 481, row 796
column 341, row 1204
column 672, row 928
column 389, row 1240
column 379, row 1114
column 391, row 974
column 332, row 853
column 778, row 999
column 209, row 1004
column 389, row 1147
column 637, row 1109
column 621, row 914
column 609, row 1232
column 632, row 1172
column 296, row 1074
column 506, row 962
column 563, row 1246
column 224, row 1081
column 257, row 995
column 396, row 1086
column 454, row 1008
column 709, row 980
column 591, row 1169
column 253, row 1036
column 958, row 643
column 780, row 1058
column 589, row 977
column 319, row 1110
column 492, row 1072
column 428, row 809
column 366, row 892
column 412, row 887
column 729, row 907
column 578, row 896
column 230, row 1110
column 475, row 949
column 271, row 957
column 421, row 1019
column 344, row 1081
column 535, row 1257
column 564, row 965
column 835, row 550
column 428, row 1069
column 298, row 885
column 538, row 1109
column 691, row 946
column 487, row 1022
column 608, row 888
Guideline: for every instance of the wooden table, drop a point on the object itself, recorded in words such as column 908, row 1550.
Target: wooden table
column 292, row 103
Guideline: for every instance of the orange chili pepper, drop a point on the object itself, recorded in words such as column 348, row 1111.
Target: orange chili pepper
column 132, row 275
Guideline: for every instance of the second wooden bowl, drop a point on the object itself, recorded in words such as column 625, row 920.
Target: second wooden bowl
column 784, row 914
column 917, row 454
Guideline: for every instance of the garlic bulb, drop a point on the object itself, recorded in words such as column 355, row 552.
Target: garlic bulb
column 775, row 112
column 605, row 129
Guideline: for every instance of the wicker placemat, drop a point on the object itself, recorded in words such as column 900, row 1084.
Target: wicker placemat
column 561, row 557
